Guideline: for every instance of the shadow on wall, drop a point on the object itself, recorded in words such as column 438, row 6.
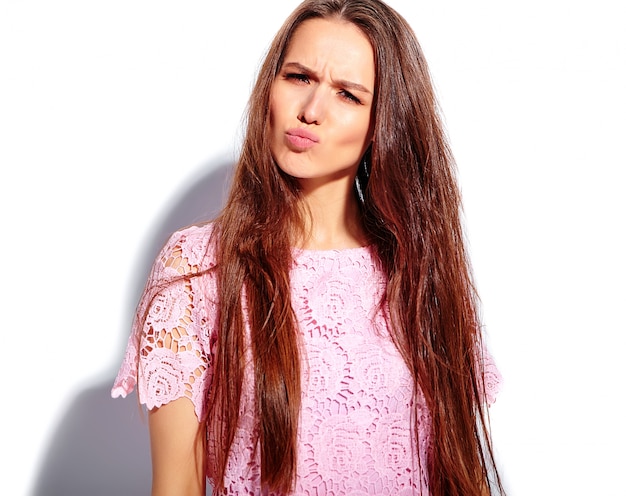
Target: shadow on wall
column 101, row 447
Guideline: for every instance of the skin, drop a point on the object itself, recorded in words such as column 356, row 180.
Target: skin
column 325, row 87
column 177, row 453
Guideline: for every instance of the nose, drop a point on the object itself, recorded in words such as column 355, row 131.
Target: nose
column 314, row 107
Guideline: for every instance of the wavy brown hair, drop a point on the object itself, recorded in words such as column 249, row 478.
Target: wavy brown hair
column 411, row 213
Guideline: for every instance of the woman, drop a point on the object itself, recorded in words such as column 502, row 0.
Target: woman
column 322, row 335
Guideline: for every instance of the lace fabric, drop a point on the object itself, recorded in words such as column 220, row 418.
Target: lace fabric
column 357, row 425
column 169, row 356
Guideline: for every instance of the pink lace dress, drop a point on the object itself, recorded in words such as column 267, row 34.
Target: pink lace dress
column 356, row 432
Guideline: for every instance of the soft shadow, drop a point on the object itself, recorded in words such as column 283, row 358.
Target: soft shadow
column 101, row 447
column 201, row 200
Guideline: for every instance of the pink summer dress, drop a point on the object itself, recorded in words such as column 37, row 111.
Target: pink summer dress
column 356, row 433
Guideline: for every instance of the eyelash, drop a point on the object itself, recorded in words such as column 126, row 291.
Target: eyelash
column 349, row 96
column 303, row 78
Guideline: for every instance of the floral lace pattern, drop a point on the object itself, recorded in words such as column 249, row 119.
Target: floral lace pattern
column 357, row 424
column 169, row 357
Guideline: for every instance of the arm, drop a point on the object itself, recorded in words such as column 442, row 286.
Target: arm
column 178, row 451
column 168, row 360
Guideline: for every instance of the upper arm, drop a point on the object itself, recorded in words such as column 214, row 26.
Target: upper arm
column 177, row 449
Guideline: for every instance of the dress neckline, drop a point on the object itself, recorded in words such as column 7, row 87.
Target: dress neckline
column 326, row 251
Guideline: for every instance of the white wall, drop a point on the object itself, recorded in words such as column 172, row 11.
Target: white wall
column 118, row 121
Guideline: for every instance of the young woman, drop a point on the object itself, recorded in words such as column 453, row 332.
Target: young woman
column 322, row 335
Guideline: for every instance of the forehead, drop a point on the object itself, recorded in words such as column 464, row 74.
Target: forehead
column 333, row 45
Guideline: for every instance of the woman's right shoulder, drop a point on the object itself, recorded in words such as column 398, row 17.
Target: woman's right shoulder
column 189, row 250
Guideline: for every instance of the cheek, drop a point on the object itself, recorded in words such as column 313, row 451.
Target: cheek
column 356, row 130
column 274, row 126
column 277, row 115
column 277, row 100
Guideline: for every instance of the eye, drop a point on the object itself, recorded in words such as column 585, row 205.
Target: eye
column 297, row 77
column 349, row 96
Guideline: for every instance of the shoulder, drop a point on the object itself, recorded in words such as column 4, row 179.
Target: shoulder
column 189, row 250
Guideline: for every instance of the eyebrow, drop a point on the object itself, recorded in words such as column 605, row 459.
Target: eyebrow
column 350, row 85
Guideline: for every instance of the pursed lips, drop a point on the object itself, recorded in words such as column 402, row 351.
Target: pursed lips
column 301, row 138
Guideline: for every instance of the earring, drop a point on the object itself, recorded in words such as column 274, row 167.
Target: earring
column 361, row 179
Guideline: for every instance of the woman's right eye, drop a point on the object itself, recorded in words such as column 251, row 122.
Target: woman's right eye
column 293, row 76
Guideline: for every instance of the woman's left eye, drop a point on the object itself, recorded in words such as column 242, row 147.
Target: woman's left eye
column 349, row 96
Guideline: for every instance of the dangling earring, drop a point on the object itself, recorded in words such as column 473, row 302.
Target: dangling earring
column 361, row 179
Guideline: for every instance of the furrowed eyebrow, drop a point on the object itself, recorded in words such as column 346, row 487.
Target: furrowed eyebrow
column 349, row 85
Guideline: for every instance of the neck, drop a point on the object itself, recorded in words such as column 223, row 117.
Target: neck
column 333, row 220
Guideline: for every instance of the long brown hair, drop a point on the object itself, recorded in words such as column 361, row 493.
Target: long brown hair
column 411, row 213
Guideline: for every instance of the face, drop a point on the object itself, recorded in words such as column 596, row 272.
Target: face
column 321, row 103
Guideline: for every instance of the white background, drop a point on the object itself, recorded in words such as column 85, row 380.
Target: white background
column 118, row 122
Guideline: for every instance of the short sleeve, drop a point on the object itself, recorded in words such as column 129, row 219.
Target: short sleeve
column 492, row 379
column 168, row 355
